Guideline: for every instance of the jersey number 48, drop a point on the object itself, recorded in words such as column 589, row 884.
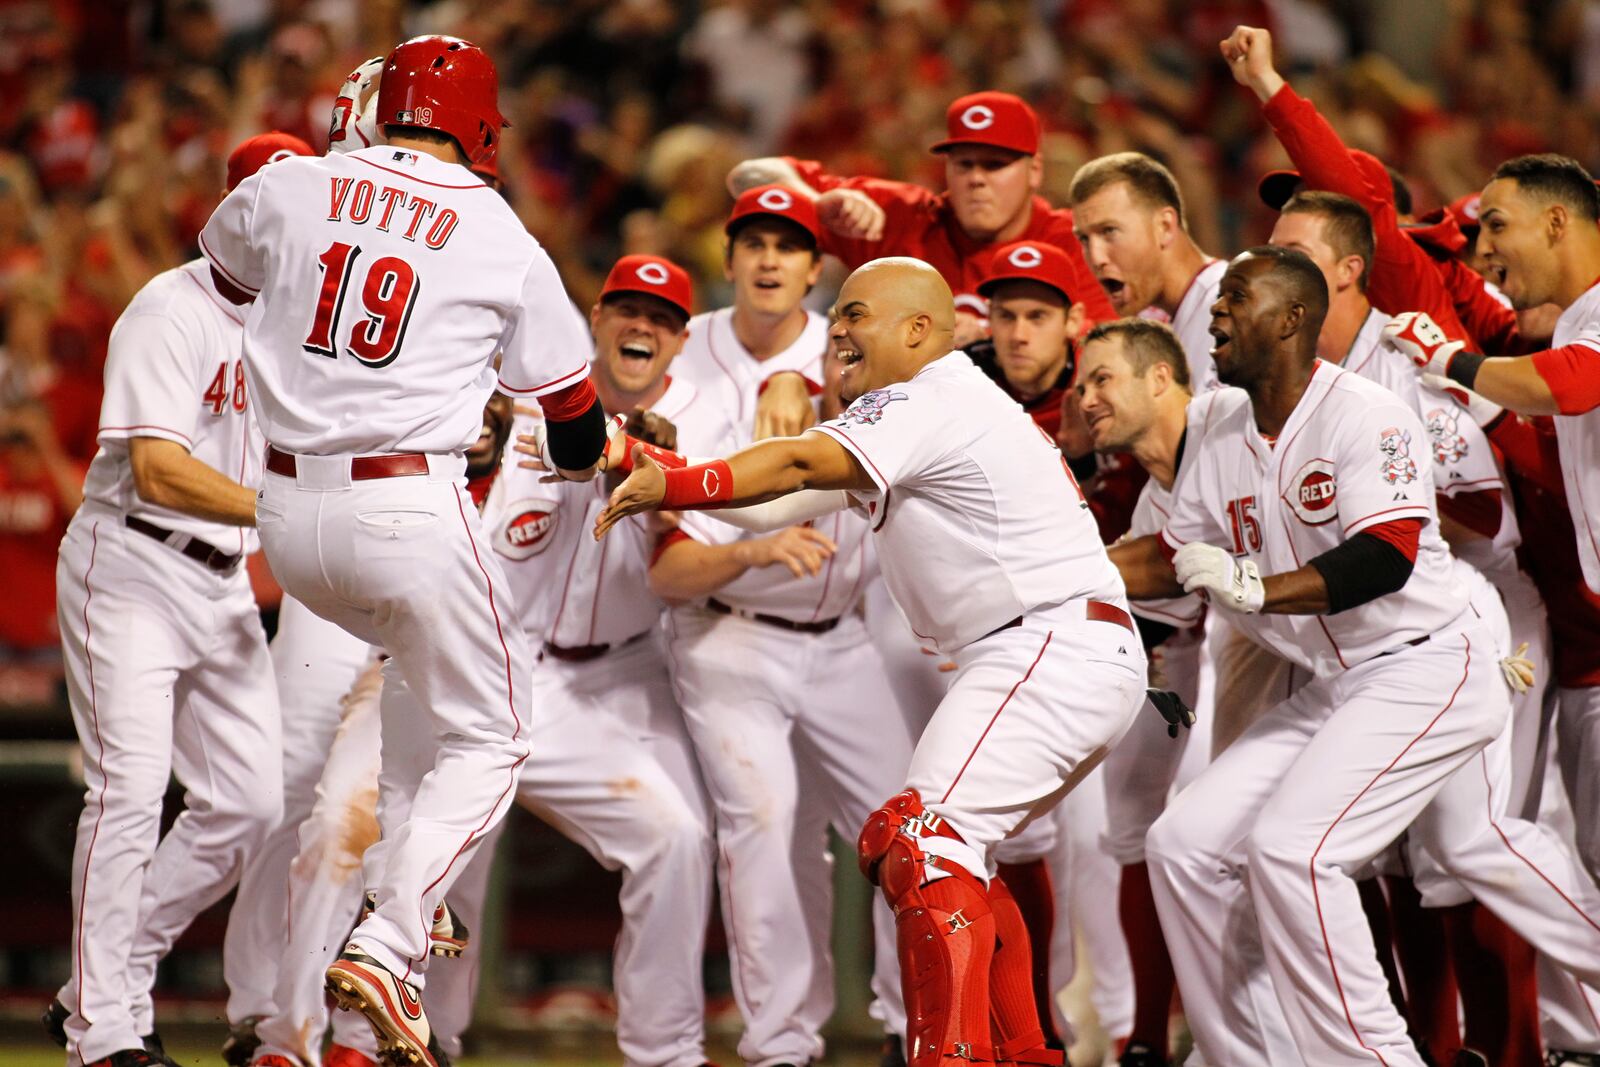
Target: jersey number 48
column 388, row 294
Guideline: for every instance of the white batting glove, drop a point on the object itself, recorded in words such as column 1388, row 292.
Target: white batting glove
column 1483, row 411
column 355, row 111
column 1231, row 583
column 1518, row 670
column 1423, row 342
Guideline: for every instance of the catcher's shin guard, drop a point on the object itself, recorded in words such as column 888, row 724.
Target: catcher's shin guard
column 945, row 935
column 1013, row 1009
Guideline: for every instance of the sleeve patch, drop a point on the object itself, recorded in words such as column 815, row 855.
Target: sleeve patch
column 869, row 407
column 1396, row 464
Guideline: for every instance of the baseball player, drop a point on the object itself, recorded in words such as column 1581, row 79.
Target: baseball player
column 993, row 172
column 1133, row 384
column 166, row 661
column 782, row 690
column 988, row 548
column 367, row 410
column 1128, row 213
column 1308, row 470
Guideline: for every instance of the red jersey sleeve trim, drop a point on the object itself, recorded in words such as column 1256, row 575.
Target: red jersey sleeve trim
column 133, row 431
column 666, row 541
column 1403, row 534
column 1168, row 545
column 219, row 270
column 550, row 386
column 568, row 403
column 1573, row 374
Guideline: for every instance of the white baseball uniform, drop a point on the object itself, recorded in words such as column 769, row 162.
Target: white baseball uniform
column 1407, row 692
column 1578, row 437
column 612, row 766
column 166, row 662
column 798, row 694
column 442, row 277
column 988, row 547
column 1191, row 321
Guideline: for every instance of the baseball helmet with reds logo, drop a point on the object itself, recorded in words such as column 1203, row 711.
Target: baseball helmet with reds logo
column 445, row 84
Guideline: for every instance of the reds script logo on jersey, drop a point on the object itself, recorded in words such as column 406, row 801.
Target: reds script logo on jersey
column 1448, row 444
column 1398, row 467
column 1312, row 493
column 527, row 531
column 868, row 408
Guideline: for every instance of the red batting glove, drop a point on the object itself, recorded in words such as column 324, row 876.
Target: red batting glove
column 1416, row 335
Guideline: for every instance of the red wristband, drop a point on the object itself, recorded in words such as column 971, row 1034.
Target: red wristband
column 663, row 458
column 704, row 485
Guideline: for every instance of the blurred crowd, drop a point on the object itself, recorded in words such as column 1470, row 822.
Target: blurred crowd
column 116, row 117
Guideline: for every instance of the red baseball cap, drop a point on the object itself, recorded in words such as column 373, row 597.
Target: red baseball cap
column 654, row 276
column 1032, row 261
column 1465, row 211
column 991, row 118
column 1277, row 186
column 777, row 201
column 256, row 152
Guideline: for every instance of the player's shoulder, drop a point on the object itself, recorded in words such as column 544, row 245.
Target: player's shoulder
column 1347, row 391
column 1215, row 408
column 182, row 294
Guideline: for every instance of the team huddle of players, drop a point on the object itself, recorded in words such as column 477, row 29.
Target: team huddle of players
column 851, row 572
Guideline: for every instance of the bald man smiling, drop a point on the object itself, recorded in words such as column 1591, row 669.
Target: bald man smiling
column 988, row 547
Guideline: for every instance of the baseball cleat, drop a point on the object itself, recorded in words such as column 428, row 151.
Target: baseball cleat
column 242, row 1042
column 153, row 1045
column 1138, row 1054
column 360, row 983
column 449, row 935
column 54, row 1021
column 128, row 1057
column 345, row 1056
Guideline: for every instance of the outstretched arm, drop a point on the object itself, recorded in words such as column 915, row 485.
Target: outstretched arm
column 761, row 472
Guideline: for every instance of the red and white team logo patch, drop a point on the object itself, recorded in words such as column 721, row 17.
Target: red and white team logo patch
column 868, row 408
column 653, row 273
column 527, row 532
column 1398, row 468
column 1313, row 492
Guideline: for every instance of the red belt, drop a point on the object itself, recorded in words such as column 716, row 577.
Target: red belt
column 1093, row 610
column 362, row 468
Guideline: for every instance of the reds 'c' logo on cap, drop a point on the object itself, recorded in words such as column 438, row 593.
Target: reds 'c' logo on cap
column 1312, row 492
column 1026, row 258
column 977, row 117
column 654, row 273
column 775, row 200
column 282, row 153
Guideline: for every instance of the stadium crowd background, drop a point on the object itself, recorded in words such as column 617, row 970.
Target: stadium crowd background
column 116, row 117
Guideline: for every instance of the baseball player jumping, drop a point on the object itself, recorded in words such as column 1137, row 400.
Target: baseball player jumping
column 988, row 547
column 383, row 283
column 166, row 661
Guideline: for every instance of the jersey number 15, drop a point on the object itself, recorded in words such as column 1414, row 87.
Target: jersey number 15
column 388, row 294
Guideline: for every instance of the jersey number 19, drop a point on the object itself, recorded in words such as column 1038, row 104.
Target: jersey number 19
column 388, row 293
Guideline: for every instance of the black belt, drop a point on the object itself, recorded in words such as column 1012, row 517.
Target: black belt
column 205, row 554
column 1413, row 643
column 585, row 653
column 774, row 620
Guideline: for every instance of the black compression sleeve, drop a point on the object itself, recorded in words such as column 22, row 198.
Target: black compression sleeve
column 1464, row 367
column 1364, row 568
column 578, row 443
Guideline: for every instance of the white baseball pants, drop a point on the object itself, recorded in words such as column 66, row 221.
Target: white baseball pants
column 167, row 672
column 316, row 664
column 759, row 701
column 1307, row 796
column 403, row 563
column 1578, row 753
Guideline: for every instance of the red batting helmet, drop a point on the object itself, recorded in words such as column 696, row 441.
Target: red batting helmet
column 444, row 84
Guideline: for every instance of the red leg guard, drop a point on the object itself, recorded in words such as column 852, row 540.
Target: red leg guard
column 1030, row 887
column 1423, row 953
column 1153, row 979
column 945, row 936
column 1018, row 1035
column 1499, row 995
